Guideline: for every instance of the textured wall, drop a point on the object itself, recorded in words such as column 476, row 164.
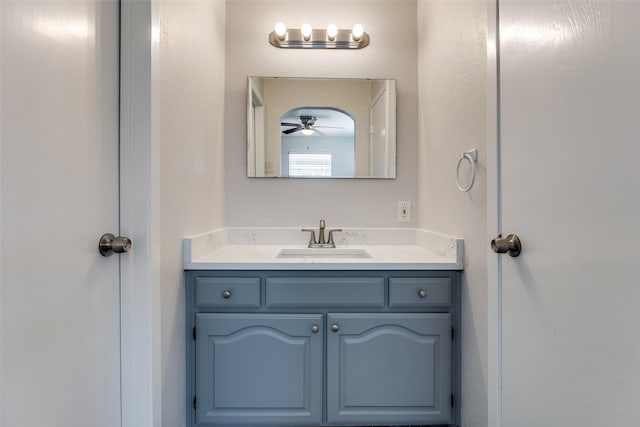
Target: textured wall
column 452, row 81
column 391, row 55
column 191, row 122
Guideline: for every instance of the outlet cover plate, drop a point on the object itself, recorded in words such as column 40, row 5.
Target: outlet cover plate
column 404, row 211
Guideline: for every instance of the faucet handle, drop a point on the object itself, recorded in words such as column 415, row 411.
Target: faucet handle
column 331, row 242
column 312, row 237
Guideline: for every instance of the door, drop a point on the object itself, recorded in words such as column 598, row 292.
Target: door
column 393, row 368
column 570, row 102
column 382, row 144
column 259, row 368
column 59, row 299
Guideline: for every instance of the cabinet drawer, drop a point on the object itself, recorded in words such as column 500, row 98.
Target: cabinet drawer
column 419, row 291
column 325, row 292
column 228, row 292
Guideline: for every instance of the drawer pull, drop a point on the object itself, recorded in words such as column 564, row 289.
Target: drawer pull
column 335, row 327
column 226, row 294
column 422, row 293
column 315, row 329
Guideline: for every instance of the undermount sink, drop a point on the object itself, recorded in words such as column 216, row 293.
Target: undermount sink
column 324, row 253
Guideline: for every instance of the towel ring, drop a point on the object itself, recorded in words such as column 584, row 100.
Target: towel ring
column 472, row 157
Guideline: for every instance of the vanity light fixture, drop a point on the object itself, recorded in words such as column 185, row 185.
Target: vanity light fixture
column 309, row 38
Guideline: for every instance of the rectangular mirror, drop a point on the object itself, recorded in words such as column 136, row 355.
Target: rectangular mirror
column 321, row 128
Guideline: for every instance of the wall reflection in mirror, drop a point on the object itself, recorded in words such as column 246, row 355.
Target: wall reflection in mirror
column 321, row 128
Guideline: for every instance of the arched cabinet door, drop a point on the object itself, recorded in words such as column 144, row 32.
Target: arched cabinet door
column 389, row 367
column 264, row 368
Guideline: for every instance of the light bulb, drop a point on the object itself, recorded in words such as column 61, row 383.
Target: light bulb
column 357, row 32
column 306, row 132
column 281, row 30
column 332, row 32
column 306, row 31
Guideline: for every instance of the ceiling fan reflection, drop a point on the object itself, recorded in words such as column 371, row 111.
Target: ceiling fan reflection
column 307, row 126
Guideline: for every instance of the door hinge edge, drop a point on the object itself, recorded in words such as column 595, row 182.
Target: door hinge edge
column 452, row 400
column 453, row 333
column 195, row 403
column 194, row 333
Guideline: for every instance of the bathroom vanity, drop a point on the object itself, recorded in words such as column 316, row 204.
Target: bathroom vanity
column 306, row 341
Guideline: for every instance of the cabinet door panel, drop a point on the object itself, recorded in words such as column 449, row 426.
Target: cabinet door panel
column 392, row 368
column 259, row 368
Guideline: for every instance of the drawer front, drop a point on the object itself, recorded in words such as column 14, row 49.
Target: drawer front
column 325, row 292
column 419, row 291
column 219, row 292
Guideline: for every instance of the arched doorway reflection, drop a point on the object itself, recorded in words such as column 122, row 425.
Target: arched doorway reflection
column 317, row 142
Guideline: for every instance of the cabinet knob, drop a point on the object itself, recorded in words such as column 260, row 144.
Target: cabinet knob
column 315, row 329
column 422, row 293
column 335, row 328
column 226, row 294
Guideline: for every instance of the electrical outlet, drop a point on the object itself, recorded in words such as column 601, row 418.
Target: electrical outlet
column 404, row 211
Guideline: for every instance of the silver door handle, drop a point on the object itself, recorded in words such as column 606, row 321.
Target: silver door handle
column 507, row 245
column 110, row 244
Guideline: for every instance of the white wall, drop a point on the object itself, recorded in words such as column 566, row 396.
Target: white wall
column 191, row 122
column 391, row 55
column 452, row 61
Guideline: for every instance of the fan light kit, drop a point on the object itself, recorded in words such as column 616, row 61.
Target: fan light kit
column 313, row 38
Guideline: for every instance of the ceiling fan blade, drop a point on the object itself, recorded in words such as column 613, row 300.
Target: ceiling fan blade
column 290, row 124
column 288, row 131
column 329, row 127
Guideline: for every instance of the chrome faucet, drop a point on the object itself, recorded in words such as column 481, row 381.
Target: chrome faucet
column 321, row 242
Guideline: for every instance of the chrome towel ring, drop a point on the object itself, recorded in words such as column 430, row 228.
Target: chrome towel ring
column 472, row 157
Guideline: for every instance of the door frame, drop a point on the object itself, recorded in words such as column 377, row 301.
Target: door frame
column 140, row 358
column 494, row 218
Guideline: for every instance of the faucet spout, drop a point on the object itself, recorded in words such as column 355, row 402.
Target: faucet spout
column 321, row 239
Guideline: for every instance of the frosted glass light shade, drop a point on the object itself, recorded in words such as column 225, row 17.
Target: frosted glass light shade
column 357, row 31
column 280, row 30
column 332, row 32
column 305, row 30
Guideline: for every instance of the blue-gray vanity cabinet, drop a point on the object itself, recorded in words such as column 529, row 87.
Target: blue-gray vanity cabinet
column 302, row 348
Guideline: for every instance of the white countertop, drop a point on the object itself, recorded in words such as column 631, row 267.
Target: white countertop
column 390, row 249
